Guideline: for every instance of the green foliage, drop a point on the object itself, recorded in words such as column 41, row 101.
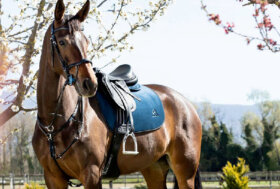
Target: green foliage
column 234, row 175
column 16, row 154
column 140, row 186
column 218, row 147
column 33, row 186
column 261, row 133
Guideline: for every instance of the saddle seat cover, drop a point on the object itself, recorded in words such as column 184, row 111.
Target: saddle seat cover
column 149, row 113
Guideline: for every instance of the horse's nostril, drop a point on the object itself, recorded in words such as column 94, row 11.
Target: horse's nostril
column 87, row 84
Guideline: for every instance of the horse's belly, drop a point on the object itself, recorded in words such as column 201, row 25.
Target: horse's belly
column 151, row 146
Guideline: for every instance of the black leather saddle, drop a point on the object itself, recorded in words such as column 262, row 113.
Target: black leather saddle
column 124, row 72
column 116, row 83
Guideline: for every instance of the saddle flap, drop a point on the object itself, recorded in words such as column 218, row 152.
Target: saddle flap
column 119, row 93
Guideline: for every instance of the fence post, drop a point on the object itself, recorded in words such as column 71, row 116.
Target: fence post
column 25, row 178
column 12, row 186
column 111, row 184
column 270, row 179
column 3, row 182
column 125, row 181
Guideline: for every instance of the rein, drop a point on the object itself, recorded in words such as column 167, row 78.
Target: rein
column 48, row 130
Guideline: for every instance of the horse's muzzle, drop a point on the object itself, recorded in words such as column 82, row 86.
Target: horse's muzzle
column 88, row 88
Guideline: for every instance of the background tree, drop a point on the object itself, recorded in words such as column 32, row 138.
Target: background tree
column 261, row 133
column 111, row 22
column 217, row 141
column 18, row 156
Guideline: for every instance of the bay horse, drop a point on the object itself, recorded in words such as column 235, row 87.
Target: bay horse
column 71, row 124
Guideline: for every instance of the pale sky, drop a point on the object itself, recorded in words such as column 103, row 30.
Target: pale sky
column 184, row 51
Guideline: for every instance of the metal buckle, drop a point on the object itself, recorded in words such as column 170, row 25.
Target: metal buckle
column 135, row 151
column 49, row 136
column 50, row 128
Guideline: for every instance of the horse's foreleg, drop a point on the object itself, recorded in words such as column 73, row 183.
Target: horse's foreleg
column 92, row 185
column 156, row 174
column 92, row 178
column 55, row 181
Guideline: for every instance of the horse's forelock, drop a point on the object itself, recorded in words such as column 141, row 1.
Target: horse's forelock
column 73, row 24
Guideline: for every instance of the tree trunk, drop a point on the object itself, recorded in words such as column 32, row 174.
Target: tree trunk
column 6, row 115
column 21, row 89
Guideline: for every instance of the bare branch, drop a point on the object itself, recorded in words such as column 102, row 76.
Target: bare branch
column 31, row 82
column 3, row 141
column 273, row 2
column 9, row 82
column 28, row 109
column 137, row 27
column 112, row 27
column 16, row 41
column 20, row 32
column 100, row 4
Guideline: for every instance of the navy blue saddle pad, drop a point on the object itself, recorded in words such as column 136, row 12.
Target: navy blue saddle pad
column 149, row 113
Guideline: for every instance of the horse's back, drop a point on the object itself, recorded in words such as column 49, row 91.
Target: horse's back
column 179, row 108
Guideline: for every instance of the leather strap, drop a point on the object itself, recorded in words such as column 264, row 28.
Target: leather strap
column 66, row 67
column 50, row 134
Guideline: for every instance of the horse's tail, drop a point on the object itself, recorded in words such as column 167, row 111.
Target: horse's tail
column 197, row 181
column 175, row 183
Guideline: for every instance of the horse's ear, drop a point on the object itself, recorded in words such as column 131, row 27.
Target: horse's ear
column 82, row 14
column 59, row 11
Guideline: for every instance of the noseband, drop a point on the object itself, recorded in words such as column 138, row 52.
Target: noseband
column 66, row 67
column 48, row 130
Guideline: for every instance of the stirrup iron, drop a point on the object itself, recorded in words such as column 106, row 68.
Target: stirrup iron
column 135, row 151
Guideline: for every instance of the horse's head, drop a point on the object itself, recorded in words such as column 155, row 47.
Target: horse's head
column 69, row 50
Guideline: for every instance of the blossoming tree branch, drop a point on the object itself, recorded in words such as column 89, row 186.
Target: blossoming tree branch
column 23, row 28
column 268, row 34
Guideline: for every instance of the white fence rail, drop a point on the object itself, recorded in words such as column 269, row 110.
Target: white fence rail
column 12, row 180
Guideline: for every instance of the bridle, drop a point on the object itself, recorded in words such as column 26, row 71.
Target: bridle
column 66, row 67
column 48, row 130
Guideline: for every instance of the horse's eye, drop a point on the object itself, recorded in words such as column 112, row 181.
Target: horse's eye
column 62, row 43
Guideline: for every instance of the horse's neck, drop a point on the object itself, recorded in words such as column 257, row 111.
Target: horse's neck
column 49, row 87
